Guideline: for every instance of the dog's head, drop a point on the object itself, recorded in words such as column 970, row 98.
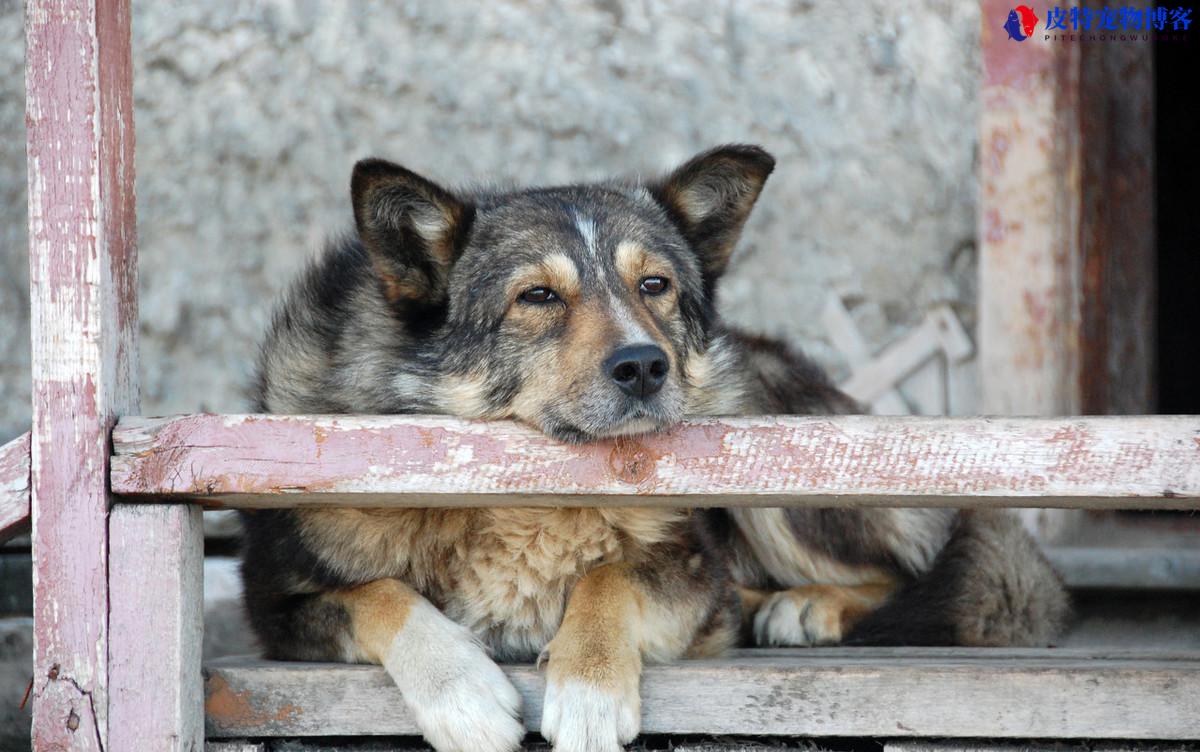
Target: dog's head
column 583, row 310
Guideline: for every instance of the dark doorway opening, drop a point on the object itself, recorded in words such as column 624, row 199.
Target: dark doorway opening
column 1177, row 165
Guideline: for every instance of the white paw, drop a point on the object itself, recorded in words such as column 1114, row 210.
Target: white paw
column 579, row 717
column 791, row 619
column 460, row 698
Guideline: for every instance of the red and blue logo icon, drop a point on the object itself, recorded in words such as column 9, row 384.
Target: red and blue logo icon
column 1021, row 23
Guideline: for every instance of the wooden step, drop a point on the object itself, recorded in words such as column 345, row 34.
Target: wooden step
column 819, row 692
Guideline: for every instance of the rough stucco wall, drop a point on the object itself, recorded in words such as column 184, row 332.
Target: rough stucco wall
column 250, row 115
column 14, row 261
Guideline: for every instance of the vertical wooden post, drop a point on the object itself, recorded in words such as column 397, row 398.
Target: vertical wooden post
column 83, row 280
column 1067, row 233
column 1066, row 229
column 1029, row 212
column 156, row 565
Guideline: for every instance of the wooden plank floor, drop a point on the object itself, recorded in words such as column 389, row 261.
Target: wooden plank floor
column 822, row 692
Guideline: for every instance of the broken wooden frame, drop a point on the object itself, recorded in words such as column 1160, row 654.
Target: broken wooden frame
column 117, row 593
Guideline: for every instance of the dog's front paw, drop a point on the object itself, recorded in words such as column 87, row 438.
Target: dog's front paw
column 579, row 716
column 460, row 698
column 476, row 710
column 800, row 617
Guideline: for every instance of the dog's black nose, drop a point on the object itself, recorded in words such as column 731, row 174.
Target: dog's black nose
column 639, row 370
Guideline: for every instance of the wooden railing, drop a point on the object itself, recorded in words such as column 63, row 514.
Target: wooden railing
column 371, row 461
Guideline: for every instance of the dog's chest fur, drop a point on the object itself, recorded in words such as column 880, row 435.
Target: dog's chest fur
column 504, row 573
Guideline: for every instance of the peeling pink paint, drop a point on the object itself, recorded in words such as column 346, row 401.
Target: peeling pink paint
column 431, row 461
column 79, row 119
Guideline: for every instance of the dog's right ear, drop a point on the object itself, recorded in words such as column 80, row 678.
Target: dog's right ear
column 710, row 198
column 412, row 227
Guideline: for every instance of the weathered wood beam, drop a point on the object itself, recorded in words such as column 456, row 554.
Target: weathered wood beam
column 14, row 487
column 156, row 578
column 1067, row 243
column 365, row 461
column 816, row 692
column 83, row 290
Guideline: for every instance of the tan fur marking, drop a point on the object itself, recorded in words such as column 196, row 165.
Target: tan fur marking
column 630, row 259
column 378, row 611
column 563, row 275
column 556, row 271
column 752, row 599
column 483, row 567
column 411, row 285
column 596, row 641
column 566, row 371
column 633, row 263
column 810, row 614
column 463, row 396
column 713, row 643
column 712, row 387
column 842, row 606
column 698, row 201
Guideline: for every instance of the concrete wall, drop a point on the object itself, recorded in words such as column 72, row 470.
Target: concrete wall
column 250, row 115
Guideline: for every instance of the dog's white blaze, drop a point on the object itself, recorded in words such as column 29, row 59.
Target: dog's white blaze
column 587, row 231
column 460, row 698
column 632, row 332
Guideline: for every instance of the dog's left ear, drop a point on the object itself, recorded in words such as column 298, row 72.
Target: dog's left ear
column 710, row 198
column 412, row 227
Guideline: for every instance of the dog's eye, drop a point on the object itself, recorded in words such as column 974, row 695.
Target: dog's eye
column 653, row 285
column 538, row 295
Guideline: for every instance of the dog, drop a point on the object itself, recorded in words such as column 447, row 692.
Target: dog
column 588, row 312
